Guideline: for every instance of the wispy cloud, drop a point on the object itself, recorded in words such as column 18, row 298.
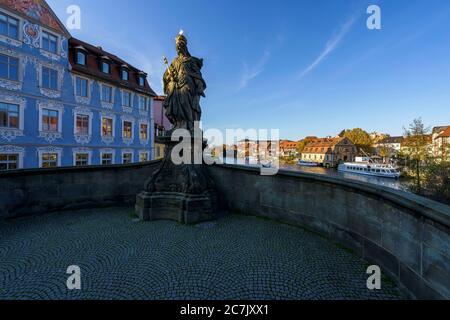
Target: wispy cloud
column 330, row 46
column 251, row 73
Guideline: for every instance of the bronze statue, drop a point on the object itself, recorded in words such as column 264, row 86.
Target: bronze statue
column 181, row 191
column 183, row 86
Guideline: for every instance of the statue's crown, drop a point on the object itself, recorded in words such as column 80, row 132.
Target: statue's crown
column 181, row 38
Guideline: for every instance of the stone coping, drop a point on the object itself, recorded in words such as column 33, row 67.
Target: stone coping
column 430, row 209
column 58, row 170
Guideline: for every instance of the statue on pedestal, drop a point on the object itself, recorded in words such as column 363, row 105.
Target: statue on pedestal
column 182, row 192
column 183, row 86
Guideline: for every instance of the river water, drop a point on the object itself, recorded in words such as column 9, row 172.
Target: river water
column 397, row 184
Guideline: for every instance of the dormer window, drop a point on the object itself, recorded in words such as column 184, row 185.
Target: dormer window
column 106, row 67
column 80, row 56
column 142, row 80
column 124, row 74
column 105, row 64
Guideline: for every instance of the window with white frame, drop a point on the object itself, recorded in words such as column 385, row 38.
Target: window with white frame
column 9, row 115
column 107, row 127
column 81, row 159
column 143, row 131
column 49, row 78
column 50, row 120
column 49, row 160
column 127, row 129
column 107, row 158
column 49, row 42
column 126, row 99
column 143, row 156
column 9, row 26
column 9, row 68
column 127, row 157
column 82, row 124
column 82, row 87
column 143, row 103
column 107, row 93
column 9, row 161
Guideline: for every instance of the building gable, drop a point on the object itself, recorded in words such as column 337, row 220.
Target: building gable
column 37, row 11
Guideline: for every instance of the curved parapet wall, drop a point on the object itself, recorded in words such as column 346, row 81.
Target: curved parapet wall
column 406, row 235
column 27, row 192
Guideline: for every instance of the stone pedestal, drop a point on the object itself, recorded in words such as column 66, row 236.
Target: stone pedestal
column 182, row 192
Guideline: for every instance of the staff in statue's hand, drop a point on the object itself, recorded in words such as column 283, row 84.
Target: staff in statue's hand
column 169, row 69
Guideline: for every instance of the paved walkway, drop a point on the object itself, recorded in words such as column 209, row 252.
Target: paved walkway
column 236, row 257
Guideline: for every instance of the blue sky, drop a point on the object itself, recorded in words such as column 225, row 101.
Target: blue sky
column 306, row 67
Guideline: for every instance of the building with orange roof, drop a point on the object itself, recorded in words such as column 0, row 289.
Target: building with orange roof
column 441, row 142
column 329, row 152
column 288, row 148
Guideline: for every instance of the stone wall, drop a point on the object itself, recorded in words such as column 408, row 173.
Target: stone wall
column 406, row 235
column 27, row 192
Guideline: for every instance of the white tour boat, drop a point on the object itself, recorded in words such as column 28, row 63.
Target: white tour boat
column 304, row 163
column 370, row 169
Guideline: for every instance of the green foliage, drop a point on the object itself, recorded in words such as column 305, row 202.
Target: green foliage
column 360, row 138
column 416, row 142
column 437, row 180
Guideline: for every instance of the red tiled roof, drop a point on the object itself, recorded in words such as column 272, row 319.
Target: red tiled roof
column 92, row 68
column 321, row 145
column 288, row 145
column 445, row 134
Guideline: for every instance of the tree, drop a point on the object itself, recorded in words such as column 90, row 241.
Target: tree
column 416, row 142
column 437, row 182
column 302, row 144
column 360, row 138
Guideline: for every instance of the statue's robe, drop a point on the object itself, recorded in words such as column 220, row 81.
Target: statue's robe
column 182, row 103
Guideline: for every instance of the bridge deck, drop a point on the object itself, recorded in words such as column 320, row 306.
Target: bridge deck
column 236, row 257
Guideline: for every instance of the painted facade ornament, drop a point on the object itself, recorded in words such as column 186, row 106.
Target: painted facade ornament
column 51, row 149
column 31, row 34
column 107, row 105
column 9, row 134
column 107, row 140
column 63, row 44
column 50, row 137
column 35, row 9
column 11, row 42
column 50, row 55
column 12, row 149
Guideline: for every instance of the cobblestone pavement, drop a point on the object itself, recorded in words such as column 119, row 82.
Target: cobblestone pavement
column 236, row 257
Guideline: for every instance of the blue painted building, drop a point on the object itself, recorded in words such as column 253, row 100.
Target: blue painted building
column 64, row 102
